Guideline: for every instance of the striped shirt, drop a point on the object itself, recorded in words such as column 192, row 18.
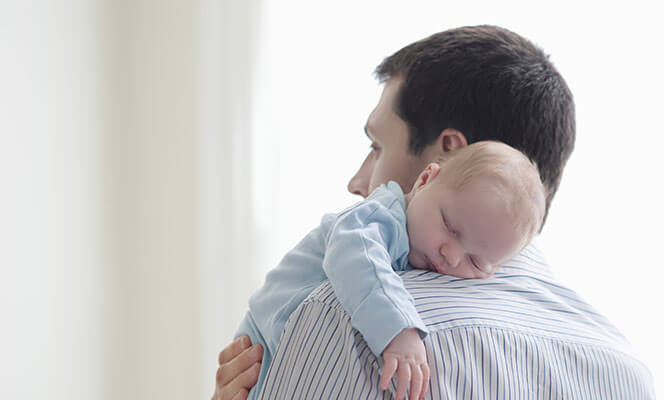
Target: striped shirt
column 518, row 334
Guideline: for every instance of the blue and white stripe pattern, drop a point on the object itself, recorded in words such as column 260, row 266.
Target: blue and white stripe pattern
column 517, row 335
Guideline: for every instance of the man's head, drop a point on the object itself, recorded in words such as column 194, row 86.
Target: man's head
column 462, row 86
column 474, row 211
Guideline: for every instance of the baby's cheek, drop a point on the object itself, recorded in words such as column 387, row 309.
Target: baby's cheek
column 412, row 259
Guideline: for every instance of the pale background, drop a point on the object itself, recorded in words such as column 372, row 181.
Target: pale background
column 158, row 157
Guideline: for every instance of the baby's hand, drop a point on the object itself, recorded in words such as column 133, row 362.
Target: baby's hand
column 406, row 355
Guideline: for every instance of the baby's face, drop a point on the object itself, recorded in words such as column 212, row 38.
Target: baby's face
column 463, row 233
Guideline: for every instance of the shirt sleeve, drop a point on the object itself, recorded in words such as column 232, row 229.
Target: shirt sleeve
column 361, row 247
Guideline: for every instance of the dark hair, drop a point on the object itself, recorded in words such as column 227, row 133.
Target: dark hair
column 490, row 84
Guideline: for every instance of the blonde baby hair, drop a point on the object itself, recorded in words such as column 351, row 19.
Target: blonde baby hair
column 514, row 179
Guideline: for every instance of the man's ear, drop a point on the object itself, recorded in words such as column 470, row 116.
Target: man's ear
column 451, row 139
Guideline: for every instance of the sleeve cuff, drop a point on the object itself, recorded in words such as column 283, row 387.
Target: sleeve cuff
column 380, row 318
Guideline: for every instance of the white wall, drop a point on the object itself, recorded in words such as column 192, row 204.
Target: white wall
column 229, row 244
column 51, row 291
column 150, row 195
column 101, row 277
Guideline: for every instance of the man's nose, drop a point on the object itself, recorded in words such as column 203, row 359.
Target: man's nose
column 451, row 252
column 357, row 186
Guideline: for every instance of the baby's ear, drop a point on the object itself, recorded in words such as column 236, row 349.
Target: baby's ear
column 427, row 175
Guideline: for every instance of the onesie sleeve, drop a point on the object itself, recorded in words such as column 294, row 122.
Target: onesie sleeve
column 360, row 248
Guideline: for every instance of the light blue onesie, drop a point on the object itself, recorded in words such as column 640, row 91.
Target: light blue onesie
column 358, row 250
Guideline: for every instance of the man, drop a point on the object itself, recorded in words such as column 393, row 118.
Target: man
column 519, row 334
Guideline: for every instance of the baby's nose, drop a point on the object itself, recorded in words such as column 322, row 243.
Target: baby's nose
column 452, row 255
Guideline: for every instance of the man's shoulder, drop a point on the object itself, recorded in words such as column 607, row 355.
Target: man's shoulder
column 518, row 326
column 523, row 296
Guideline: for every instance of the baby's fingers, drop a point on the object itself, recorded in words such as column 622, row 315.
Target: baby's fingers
column 403, row 375
column 415, row 382
column 388, row 371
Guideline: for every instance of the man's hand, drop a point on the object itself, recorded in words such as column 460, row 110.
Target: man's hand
column 406, row 355
column 239, row 365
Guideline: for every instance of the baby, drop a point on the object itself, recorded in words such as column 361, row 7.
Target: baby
column 465, row 216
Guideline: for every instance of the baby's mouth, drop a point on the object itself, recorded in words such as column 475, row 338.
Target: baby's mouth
column 431, row 266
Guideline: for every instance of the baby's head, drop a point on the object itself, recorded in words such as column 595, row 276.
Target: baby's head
column 474, row 210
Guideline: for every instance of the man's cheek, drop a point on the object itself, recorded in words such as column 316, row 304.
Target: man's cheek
column 376, row 180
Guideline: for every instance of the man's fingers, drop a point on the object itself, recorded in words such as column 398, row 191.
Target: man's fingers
column 233, row 368
column 234, row 349
column 415, row 382
column 403, row 377
column 246, row 380
column 388, row 371
column 425, row 379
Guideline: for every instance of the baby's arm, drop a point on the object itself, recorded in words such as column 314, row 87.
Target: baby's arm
column 358, row 264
